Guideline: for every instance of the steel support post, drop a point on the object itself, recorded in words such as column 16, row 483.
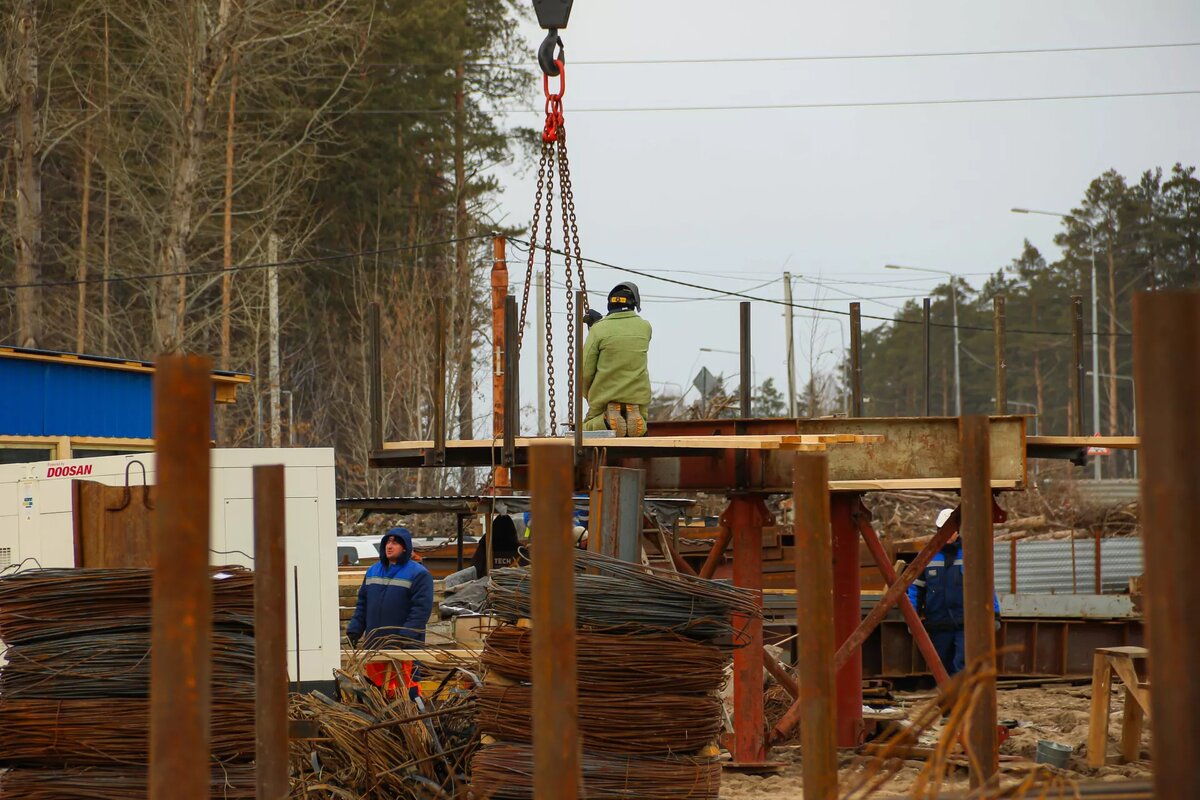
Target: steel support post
column 815, row 626
column 1075, row 373
column 438, row 457
column 847, row 611
column 375, row 377
column 717, row 554
column 746, row 516
column 979, row 591
column 856, row 395
column 746, row 362
column 501, row 479
column 270, row 635
column 925, row 360
column 512, row 403
column 181, row 617
column 617, row 513
column 1166, row 327
column 998, row 344
column 556, row 748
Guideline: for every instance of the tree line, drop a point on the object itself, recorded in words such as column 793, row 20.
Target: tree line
column 157, row 157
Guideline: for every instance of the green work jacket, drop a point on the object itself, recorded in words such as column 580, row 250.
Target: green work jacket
column 614, row 362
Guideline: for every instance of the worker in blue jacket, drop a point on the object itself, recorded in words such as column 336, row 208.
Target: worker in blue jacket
column 938, row 594
column 396, row 596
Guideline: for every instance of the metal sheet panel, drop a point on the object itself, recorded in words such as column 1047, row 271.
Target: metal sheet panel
column 1058, row 568
column 62, row 399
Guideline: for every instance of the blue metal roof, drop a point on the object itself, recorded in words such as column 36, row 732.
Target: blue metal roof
column 55, row 394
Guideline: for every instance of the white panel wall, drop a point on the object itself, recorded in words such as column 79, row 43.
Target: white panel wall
column 36, row 523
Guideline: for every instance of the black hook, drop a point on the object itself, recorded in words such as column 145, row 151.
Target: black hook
column 129, row 494
column 546, row 56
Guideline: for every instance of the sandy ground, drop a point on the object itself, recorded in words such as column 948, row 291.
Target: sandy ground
column 1055, row 712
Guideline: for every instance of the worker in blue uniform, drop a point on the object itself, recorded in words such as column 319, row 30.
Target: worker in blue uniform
column 938, row 595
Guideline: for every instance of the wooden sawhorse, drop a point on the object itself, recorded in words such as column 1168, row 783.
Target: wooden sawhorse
column 1108, row 660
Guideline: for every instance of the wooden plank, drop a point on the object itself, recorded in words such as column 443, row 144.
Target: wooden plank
column 1131, row 726
column 1114, row 442
column 1097, row 742
column 912, row 483
column 748, row 442
column 1123, row 665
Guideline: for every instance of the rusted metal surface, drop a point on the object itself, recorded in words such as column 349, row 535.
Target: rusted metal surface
column 270, row 634
column 847, row 609
column 745, row 516
column 856, row 390
column 717, row 554
column 998, row 346
column 746, row 363
column 181, row 632
column 617, row 514
column 375, row 376
column 556, row 761
column 978, row 591
column 512, row 401
column 814, row 614
column 499, row 281
column 781, row 675
column 113, row 524
column 438, row 457
column 917, row 628
column 1166, row 329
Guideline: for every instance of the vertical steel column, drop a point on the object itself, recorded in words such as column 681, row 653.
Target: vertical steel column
column 856, row 360
column 439, row 383
column 928, row 396
column 979, row 590
column 270, row 635
column 745, row 516
column 512, row 402
column 458, row 530
column 501, row 480
column 1166, row 327
column 181, row 617
column 747, row 363
column 814, row 624
column 847, row 612
column 1001, row 366
column 1076, row 373
column 577, row 400
column 617, row 531
column 556, row 755
column 375, row 377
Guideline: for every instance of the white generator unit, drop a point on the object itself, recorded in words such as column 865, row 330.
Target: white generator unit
column 37, row 529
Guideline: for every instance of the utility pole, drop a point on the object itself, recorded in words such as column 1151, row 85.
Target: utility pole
column 1095, row 351
column 539, row 303
column 791, row 346
column 273, row 307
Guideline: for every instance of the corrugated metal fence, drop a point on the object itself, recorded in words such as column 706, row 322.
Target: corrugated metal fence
column 1068, row 567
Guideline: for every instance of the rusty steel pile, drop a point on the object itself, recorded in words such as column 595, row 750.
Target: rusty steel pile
column 652, row 649
column 75, row 693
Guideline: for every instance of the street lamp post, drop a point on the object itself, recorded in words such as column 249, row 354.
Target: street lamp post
column 1134, row 386
column 954, row 308
column 1095, row 319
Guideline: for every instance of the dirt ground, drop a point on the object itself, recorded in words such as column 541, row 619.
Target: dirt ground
column 1055, row 712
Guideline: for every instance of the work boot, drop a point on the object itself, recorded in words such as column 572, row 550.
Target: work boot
column 635, row 423
column 614, row 420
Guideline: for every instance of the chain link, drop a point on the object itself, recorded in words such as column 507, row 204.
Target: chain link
column 533, row 233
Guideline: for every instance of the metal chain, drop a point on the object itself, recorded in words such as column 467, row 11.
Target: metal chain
column 533, row 234
column 564, row 171
column 548, row 148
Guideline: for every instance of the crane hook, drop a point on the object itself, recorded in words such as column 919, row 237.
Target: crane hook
column 547, row 59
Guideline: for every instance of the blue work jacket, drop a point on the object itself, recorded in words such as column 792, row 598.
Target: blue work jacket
column 395, row 600
column 938, row 592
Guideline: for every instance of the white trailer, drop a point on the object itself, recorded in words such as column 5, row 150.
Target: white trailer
column 37, row 527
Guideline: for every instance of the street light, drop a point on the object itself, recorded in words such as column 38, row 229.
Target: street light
column 753, row 360
column 1134, row 385
column 1095, row 318
column 954, row 306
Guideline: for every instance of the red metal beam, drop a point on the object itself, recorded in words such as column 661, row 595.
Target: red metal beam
column 270, row 635
column 717, row 554
column 181, row 626
column 979, row 591
column 781, row 675
column 920, row 635
column 556, row 749
column 501, row 479
column 746, row 516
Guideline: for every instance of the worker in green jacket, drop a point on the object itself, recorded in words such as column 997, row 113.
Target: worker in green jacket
column 616, row 378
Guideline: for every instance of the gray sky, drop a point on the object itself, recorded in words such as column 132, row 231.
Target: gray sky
column 732, row 198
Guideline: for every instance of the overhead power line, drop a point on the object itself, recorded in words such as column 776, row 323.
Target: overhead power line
column 525, row 245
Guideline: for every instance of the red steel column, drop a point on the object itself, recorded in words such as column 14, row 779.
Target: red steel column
column 847, row 613
column 746, row 516
column 270, row 634
column 1166, row 327
column 499, row 293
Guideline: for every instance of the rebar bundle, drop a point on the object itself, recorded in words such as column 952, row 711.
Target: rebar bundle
column 75, row 693
column 616, row 663
column 613, row 595
column 507, row 772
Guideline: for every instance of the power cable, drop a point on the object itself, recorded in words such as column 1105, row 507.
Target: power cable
column 524, row 244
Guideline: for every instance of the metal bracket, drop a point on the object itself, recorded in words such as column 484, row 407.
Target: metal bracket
column 553, row 13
